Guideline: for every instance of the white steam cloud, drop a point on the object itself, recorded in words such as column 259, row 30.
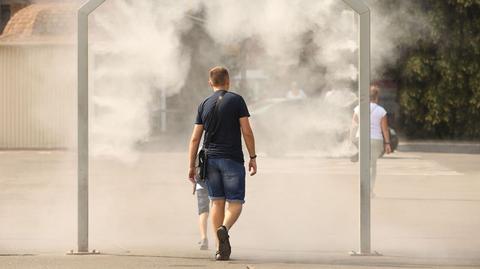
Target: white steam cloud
column 139, row 52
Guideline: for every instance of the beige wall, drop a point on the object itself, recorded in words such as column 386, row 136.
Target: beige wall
column 37, row 96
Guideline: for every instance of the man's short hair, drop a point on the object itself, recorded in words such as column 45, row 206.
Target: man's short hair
column 219, row 76
column 374, row 92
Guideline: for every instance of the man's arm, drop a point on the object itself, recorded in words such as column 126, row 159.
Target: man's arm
column 193, row 149
column 250, row 143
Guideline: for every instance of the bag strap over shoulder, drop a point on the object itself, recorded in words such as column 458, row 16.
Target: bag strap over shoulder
column 213, row 119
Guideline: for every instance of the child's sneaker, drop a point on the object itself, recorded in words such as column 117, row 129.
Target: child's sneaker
column 203, row 244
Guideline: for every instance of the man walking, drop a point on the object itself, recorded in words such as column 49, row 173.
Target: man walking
column 225, row 175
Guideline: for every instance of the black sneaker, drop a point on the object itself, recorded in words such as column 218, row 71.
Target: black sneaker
column 219, row 257
column 224, row 248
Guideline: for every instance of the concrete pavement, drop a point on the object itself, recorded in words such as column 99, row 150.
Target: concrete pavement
column 194, row 260
column 301, row 212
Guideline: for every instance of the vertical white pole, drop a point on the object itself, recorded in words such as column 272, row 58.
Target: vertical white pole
column 82, row 122
column 364, row 93
column 82, row 132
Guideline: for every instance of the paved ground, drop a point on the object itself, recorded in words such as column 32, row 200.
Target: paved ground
column 301, row 212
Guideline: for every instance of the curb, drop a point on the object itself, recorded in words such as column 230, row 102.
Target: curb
column 440, row 147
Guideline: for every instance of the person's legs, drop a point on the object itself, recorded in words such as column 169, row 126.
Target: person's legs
column 226, row 183
column 232, row 213
column 377, row 149
column 233, row 178
column 373, row 174
column 234, row 185
column 217, row 213
column 202, row 222
column 203, row 209
column 216, row 193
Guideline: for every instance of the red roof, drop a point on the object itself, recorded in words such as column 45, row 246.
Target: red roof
column 42, row 23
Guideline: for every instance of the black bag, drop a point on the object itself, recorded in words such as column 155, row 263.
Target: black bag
column 213, row 120
column 201, row 165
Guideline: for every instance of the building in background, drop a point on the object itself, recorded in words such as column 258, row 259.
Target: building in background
column 8, row 8
column 38, row 105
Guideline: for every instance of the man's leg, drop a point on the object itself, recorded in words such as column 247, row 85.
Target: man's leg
column 217, row 196
column 217, row 213
column 234, row 183
column 233, row 176
column 232, row 213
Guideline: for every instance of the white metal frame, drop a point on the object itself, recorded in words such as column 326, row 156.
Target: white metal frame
column 83, row 131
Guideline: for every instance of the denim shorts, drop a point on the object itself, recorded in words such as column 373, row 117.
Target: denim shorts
column 226, row 180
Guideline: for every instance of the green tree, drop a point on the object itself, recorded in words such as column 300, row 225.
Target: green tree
column 439, row 74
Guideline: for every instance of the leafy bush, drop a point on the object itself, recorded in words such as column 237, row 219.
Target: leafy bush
column 439, row 75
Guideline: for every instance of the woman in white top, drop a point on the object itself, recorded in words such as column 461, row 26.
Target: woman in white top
column 379, row 132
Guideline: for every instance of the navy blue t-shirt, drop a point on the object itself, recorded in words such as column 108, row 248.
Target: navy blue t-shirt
column 227, row 142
